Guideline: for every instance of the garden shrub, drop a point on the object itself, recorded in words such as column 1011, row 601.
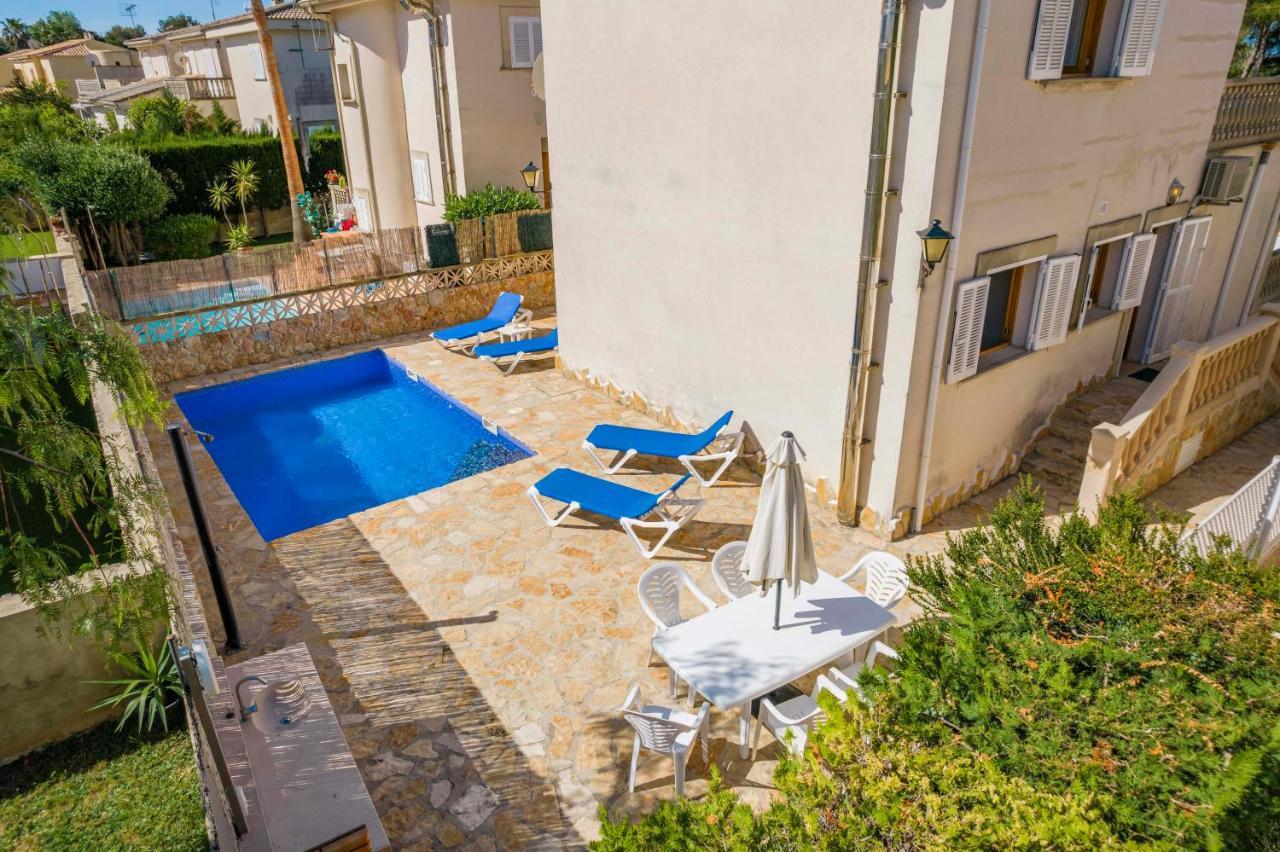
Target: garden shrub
column 325, row 153
column 190, row 164
column 534, row 231
column 121, row 186
column 1093, row 686
column 187, row 236
column 487, row 201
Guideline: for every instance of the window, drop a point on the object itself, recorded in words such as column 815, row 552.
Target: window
column 1003, row 293
column 524, row 39
column 1072, row 36
column 1082, row 36
column 421, row 168
column 345, row 91
column 259, row 67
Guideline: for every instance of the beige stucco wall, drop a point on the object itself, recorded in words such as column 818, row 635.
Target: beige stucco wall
column 419, row 94
column 374, row 135
column 709, row 203
column 501, row 122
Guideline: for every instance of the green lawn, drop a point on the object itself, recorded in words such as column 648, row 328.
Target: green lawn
column 26, row 244
column 101, row 790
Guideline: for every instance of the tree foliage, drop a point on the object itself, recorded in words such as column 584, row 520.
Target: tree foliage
column 56, row 468
column 118, row 184
column 119, row 34
column 1093, row 686
column 177, row 22
column 58, row 25
column 34, row 111
column 1259, row 42
column 14, row 35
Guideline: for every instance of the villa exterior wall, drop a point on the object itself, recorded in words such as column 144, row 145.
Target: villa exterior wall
column 500, row 121
column 708, row 205
column 1054, row 159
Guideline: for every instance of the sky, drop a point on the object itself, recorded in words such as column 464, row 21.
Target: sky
column 100, row 15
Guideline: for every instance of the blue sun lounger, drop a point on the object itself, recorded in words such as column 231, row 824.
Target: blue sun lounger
column 506, row 308
column 626, row 505
column 687, row 449
column 517, row 349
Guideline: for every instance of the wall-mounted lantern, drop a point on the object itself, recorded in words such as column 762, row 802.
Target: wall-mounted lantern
column 530, row 175
column 1175, row 192
column 934, row 242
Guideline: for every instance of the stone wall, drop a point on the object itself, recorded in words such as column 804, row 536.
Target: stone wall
column 260, row 343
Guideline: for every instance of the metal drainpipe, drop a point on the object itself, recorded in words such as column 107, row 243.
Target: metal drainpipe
column 1238, row 243
column 869, row 262
column 1260, row 268
column 949, row 284
column 444, row 124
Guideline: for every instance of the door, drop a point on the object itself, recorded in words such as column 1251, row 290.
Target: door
column 1175, row 288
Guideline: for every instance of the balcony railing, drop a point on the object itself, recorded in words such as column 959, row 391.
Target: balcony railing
column 201, row 88
column 1270, row 291
column 1249, row 112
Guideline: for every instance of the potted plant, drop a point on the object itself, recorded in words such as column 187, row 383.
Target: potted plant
column 239, row 239
column 150, row 692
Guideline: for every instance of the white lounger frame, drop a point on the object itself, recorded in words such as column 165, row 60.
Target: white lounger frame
column 515, row 359
column 670, row 515
column 731, row 441
column 517, row 328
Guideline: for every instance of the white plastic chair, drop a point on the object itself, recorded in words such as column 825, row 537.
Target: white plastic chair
column 659, row 591
column 728, row 571
column 795, row 717
column 887, row 581
column 664, row 730
column 847, row 677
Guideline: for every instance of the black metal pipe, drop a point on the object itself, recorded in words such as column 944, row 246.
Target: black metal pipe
column 220, row 592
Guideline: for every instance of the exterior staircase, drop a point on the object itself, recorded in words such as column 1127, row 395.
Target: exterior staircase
column 1057, row 460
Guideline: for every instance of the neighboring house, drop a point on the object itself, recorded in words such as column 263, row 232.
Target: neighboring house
column 713, row 207
column 222, row 61
column 77, row 59
column 433, row 100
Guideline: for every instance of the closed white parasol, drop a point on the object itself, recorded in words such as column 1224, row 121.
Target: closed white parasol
column 780, row 547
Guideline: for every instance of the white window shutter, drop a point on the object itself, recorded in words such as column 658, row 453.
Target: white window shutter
column 1057, row 287
column 1175, row 291
column 1136, row 47
column 525, row 40
column 1049, row 45
column 966, row 337
column 421, row 179
column 259, row 68
column 364, row 219
column 1134, row 269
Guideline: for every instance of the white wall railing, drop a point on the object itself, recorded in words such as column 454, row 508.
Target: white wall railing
column 1250, row 518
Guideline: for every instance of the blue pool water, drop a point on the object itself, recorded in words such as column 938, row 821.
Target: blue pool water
column 310, row 444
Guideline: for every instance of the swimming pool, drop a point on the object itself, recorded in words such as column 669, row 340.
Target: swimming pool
column 310, row 444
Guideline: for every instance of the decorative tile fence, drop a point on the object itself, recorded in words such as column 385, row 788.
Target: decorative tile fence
column 256, row 331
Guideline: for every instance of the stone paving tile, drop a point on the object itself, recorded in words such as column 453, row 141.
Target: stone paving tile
column 474, row 656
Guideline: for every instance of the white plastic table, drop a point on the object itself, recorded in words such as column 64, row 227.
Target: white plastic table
column 732, row 655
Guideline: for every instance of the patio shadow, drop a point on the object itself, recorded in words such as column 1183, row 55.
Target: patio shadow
column 436, row 758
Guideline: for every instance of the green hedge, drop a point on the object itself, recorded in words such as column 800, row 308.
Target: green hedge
column 188, row 166
column 187, row 236
column 487, row 201
column 325, row 148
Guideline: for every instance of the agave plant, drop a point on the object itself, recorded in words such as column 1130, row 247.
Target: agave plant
column 152, row 683
column 238, row 237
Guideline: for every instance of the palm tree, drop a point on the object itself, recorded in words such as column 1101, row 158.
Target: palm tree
column 244, row 181
column 220, row 196
column 14, row 34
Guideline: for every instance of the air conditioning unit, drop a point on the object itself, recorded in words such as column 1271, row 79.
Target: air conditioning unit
column 1225, row 179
